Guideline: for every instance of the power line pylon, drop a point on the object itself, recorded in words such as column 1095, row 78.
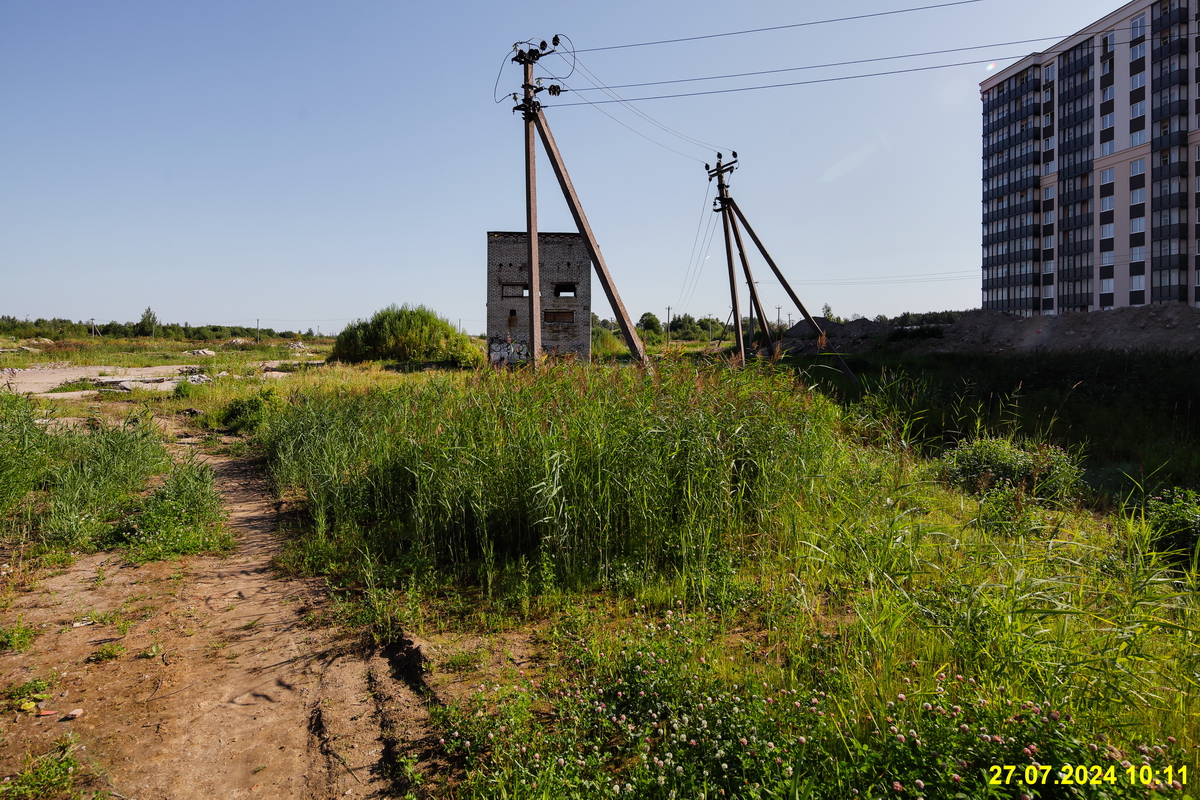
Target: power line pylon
column 535, row 119
column 731, row 214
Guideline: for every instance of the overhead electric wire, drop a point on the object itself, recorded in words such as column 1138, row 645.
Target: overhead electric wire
column 792, row 83
column 696, row 239
column 779, row 27
column 823, row 66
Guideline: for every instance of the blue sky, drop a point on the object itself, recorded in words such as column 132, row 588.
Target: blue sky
column 306, row 163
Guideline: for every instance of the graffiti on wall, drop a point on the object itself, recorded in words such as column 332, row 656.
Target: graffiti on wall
column 506, row 350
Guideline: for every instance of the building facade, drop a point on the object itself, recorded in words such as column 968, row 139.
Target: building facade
column 1087, row 153
column 565, row 272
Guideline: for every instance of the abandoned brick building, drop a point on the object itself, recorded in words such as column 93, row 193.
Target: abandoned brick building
column 566, row 292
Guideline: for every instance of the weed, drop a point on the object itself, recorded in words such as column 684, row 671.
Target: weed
column 54, row 774
column 464, row 660
column 25, row 696
column 150, row 652
column 181, row 517
column 17, row 637
column 107, row 652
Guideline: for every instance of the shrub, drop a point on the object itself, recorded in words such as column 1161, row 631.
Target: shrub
column 249, row 413
column 1175, row 516
column 1042, row 470
column 405, row 334
column 181, row 517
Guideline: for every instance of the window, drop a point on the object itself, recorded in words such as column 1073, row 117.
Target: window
column 1048, row 73
column 1137, row 27
column 1048, row 144
column 1137, row 167
column 1137, row 225
column 1137, row 81
column 1048, row 292
column 1048, row 193
column 1048, row 218
column 1048, row 266
column 564, row 290
column 1106, row 285
column 558, row 316
column 1106, row 231
column 1107, row 93
column 1137, row 196
column 1106, row 176
column 1047, row 242
column 1050, row 167
column 1137, row 110
column 1107, row 40
column 1107, row 203
column 1108, row 148
column 1136, row 138
column 1137, row 254
column 1106, row 67
column 1108, row 120
column 514, row 290
column 1137, row 51
column 1048, row 121
column 1137, row 283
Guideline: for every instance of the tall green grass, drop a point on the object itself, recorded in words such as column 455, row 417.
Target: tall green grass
column 578, row 467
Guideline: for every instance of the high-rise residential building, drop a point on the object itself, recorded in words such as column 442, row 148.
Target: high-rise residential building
column 1086, row 167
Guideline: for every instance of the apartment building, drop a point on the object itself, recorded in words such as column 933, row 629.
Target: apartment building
column 1087, row 184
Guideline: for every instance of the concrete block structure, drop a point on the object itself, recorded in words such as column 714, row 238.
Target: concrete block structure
column 566, row 292
column 1088, row 150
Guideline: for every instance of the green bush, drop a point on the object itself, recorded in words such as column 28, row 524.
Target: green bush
column 405, row 334
column 249, row 413
column 1175, row 516
column 23, row 445
column 181, row 517
column 981, row 465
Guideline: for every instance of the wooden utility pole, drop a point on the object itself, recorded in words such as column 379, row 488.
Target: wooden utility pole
column 731, row 215
column 722, row 207
column 535, row 118
column 535, row 278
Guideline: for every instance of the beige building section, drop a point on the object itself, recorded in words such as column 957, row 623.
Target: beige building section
column 566, row 292
column 1088, row 150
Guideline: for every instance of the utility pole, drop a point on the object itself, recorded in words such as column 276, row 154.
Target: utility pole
column 93, row 327
column 668, row 328
column 534, row 118
column 723, row 208
column 258, row 331
column 778, row 319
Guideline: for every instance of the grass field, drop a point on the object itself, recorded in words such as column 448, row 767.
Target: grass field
column 740, row 583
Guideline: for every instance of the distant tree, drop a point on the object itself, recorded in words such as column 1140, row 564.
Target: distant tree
column 147, row 325
column 649, row 322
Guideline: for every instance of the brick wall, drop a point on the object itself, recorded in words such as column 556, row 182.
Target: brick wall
column 566, row 319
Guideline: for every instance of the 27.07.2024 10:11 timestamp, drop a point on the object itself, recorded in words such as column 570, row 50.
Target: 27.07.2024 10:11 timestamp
column 1083, row 775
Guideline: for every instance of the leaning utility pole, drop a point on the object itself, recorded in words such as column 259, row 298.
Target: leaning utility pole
column 731, row 214
column 531, row 110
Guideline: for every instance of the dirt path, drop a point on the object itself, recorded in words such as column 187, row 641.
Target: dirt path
column 225, row 680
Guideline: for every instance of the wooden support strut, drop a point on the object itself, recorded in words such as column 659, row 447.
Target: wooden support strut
column 788, row 287
column 535, row 282
column 610, row 289
column 758, row 309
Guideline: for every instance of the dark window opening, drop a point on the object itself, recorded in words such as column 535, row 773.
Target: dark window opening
column 564, row 290
column 558, row 316
column 514, row 290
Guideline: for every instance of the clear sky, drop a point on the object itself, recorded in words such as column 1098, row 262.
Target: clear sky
column 306, row 163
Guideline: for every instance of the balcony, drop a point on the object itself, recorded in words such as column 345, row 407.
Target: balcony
column 1086, row 193
column 1172, row 48
column 1012, row 211
column 1071, row 170
column 1027, row 110
column 1174, row 17
column 1075, row 300
column 1075, row 248
column 1067, row 95
column 1179, row 108
column 1176, row 261
column 1177, row 77
column 1012, row 305
column 1013, row 187
column 1168, row 293
column 1163, row 201
column 1077, row 221
column 1178, row 169
column 1030, row 279
column 1031, row 85
column 1012, row 141
column 1014, row 233
column 1032, row 157
column 1074, row 118
column 1078, row 64
column 1013, row 257
column 1177, row 231
column 1176, row 139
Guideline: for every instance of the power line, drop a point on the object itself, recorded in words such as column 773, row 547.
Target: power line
column 823, row 66
column 793, row 83
column 778, row 27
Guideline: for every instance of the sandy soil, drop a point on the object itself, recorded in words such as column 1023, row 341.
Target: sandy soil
column 231, row 682
column 39, row 380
